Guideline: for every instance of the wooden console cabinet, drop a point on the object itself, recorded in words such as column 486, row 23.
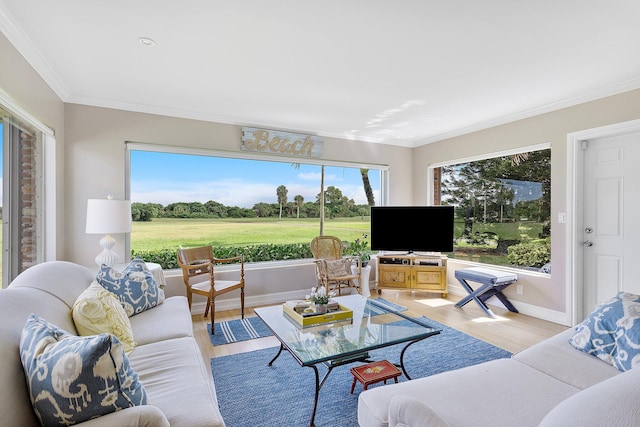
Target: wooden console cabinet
column 427, row 273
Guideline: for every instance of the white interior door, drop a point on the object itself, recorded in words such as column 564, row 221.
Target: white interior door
column 610, row 211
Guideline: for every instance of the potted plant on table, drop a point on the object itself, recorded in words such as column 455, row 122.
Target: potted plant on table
column 360, row 247
column 320, row 298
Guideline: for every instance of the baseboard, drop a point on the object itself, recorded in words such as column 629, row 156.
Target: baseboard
column 524, row 308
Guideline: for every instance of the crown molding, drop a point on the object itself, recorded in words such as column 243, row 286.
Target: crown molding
column 31, row 54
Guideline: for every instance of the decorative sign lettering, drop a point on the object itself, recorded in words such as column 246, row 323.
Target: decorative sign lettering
column 281, row 143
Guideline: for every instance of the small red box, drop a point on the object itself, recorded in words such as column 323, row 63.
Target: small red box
column 374, row 372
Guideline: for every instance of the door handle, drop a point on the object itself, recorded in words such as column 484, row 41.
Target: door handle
column 587, row 243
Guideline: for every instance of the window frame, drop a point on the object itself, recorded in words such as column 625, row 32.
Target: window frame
column 242, row 155
column 432, row 182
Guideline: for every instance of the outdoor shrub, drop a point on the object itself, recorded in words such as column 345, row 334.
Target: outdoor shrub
column 504, row 245
column 530, row 254
column 477, row 238
column 167, row 258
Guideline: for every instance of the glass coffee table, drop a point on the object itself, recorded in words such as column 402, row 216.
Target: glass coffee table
column 373, row 326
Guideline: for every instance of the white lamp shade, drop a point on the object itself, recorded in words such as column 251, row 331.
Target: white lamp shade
column 106, row 216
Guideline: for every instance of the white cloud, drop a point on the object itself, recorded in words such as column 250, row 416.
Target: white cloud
column 310, row 176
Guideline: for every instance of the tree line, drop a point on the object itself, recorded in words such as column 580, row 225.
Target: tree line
column 335, row 204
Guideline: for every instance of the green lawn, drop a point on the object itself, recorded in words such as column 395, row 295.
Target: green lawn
column 506, row 230
column 168, row 233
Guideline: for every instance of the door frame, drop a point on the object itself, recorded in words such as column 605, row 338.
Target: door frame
column 575, row 199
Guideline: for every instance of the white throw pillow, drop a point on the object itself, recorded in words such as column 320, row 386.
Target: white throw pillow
column 98, row 311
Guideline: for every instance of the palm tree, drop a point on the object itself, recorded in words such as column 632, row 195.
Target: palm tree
column 299, row 201
column 518, row 158
column 367, row 186
column 281, row 192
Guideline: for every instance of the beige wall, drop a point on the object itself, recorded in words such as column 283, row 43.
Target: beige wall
column 95, row 159
column 28, row 90
column 551, row 127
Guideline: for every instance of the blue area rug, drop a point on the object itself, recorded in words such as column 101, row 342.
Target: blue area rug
column 252, row 327
column 238, row 330
column 250, row 393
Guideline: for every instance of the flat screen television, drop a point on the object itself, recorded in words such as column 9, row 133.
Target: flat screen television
column 412, row 228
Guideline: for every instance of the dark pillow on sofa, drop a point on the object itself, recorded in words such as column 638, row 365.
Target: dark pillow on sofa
column 135, row 286
column 612, row 332
column 73, row 379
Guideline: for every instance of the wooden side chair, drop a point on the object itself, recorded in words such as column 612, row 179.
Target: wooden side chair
column 333, row 270
column 197, row 266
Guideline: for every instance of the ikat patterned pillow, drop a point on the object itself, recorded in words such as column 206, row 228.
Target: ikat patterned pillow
column 135, row 286
column 612, row 332
column 73, row 379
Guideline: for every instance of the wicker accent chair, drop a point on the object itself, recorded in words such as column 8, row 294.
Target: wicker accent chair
column 333, row 270
column 197, row 266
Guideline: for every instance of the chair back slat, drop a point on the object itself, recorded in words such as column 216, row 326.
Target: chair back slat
column 191, row 256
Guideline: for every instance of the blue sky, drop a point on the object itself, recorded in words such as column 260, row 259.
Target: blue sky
column 168, row 178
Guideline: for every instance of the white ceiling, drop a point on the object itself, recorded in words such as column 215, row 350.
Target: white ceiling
column 404, row 72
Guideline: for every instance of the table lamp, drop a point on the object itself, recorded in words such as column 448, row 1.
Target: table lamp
column 108, row 216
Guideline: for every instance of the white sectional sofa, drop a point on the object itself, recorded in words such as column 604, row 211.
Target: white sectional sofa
column 551, row 384
column 179, row 385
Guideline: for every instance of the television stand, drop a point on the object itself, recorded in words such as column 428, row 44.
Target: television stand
column 413, row 272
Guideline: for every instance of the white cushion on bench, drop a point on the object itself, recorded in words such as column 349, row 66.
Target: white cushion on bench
column 486, row 275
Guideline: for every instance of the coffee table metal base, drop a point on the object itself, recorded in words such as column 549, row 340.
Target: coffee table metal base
column 360, row 357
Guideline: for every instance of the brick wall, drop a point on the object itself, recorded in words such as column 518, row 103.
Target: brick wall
column 28, row 206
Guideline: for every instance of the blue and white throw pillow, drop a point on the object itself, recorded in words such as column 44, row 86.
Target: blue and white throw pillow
column 612, row 332
column 135, row 286
column 72, row 379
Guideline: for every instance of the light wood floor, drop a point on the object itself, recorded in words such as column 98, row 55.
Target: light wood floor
column 511, row 331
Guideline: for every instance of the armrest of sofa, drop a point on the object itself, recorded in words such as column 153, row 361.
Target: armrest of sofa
column 405, row 411
column 137, row 416
column 613, row 402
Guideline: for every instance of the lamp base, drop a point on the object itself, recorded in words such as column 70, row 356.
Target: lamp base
column 107, row 257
